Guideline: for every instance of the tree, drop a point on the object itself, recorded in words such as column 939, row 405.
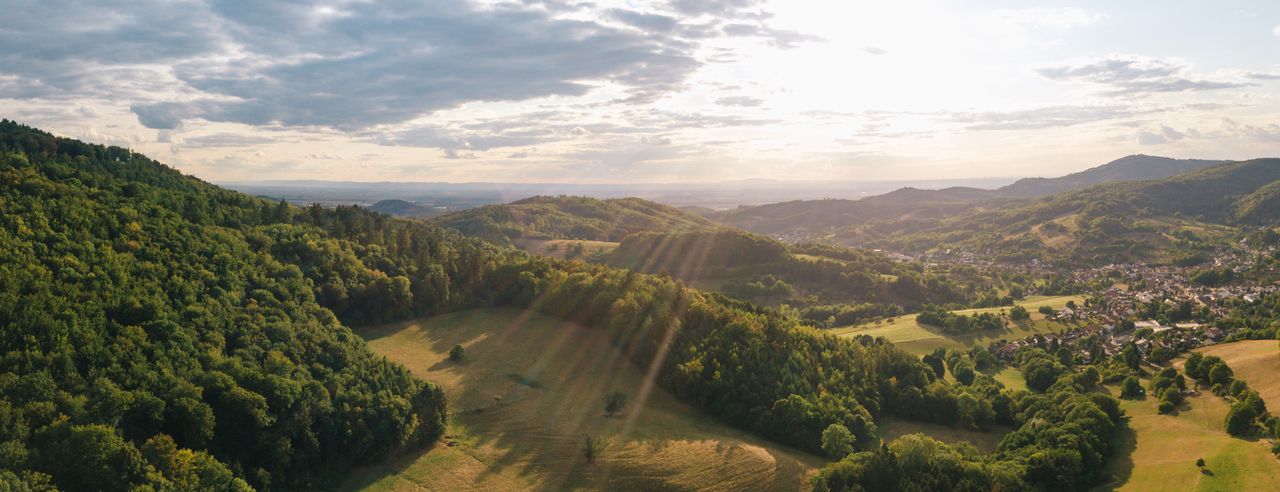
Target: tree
column 1046, row 310
column 1131, row 356
column 613, row 402
column 1200, row 463
column 456, row 353
column 1131, row 388
column 837, row 441
column 1019, row 313
column 1220, row 373
column 964, row 372
column 591, row 449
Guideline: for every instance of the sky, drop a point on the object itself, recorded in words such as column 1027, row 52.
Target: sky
column 664, row 91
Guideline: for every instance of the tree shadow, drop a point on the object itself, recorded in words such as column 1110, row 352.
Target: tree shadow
column 1120, row 467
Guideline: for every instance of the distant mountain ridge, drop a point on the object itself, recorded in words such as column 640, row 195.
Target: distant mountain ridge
column 1150, row 220
column 812, row 218
column 1130, row 168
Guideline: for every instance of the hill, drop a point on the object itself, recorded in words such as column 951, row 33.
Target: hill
column 552, row 377
column 807, row 218
column 1130, row 168
column 569, row 217
column 860, row 222
column 1150, row 220
column 402, row 208
column 161, row 332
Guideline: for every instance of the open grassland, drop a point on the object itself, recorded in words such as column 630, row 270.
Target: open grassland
column 1158, row 452
column 916, row 338
column 559, row 248
column 530, row 390
column 1256, row 362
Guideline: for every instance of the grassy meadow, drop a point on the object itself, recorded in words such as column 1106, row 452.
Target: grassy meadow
column 918, row 339
column 1257, row 362
column 1158, row 452
column 529, row 391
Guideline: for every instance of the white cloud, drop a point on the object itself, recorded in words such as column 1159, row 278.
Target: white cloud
column 1135, row 76
column 1276, row 31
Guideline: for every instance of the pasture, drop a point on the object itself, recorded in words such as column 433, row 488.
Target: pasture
column 920, row 339
column 529, row 391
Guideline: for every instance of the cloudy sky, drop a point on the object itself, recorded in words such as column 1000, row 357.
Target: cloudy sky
column 627, row 91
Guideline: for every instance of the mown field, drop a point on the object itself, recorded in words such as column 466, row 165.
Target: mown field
column 1158, row 452
column 916, row 338
column 531, row 389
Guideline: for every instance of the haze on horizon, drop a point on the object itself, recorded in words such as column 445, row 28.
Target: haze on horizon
column 671, row 91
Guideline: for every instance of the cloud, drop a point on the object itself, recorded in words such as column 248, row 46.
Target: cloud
column 743, row 101
column 645, row 22
column 874, row 50
column 1162, row 136
column 1276, row 31
column 1269, row 132
column 309, row 64
column 1261, row 75
column 1038, row 118
column 1134, row 76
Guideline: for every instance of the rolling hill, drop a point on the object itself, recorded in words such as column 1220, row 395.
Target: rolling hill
column 402, row 208
column 854, row 221
column 1129, row 168
column 1148, row 220
column 569, row 217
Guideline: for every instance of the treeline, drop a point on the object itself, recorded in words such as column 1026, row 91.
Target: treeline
column 1063, row 438
column 960, row 324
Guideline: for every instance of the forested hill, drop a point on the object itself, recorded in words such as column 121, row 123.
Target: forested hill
column 161, row 332
column 815, row 218
column 570, row 217
column 1148, row 220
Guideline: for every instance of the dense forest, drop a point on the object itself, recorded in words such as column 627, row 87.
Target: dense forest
column 164, row 333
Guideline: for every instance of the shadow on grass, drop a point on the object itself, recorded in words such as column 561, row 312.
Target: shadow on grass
column 1120, row 468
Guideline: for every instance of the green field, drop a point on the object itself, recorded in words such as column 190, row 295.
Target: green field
column 549, row 378
column 1158, row 452
column 1257, row 362
column 918, row 339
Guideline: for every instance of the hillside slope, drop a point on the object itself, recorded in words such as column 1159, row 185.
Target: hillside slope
column 1109, row 222
column 910, row 208
column 1129, row 168
column 569, row 217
